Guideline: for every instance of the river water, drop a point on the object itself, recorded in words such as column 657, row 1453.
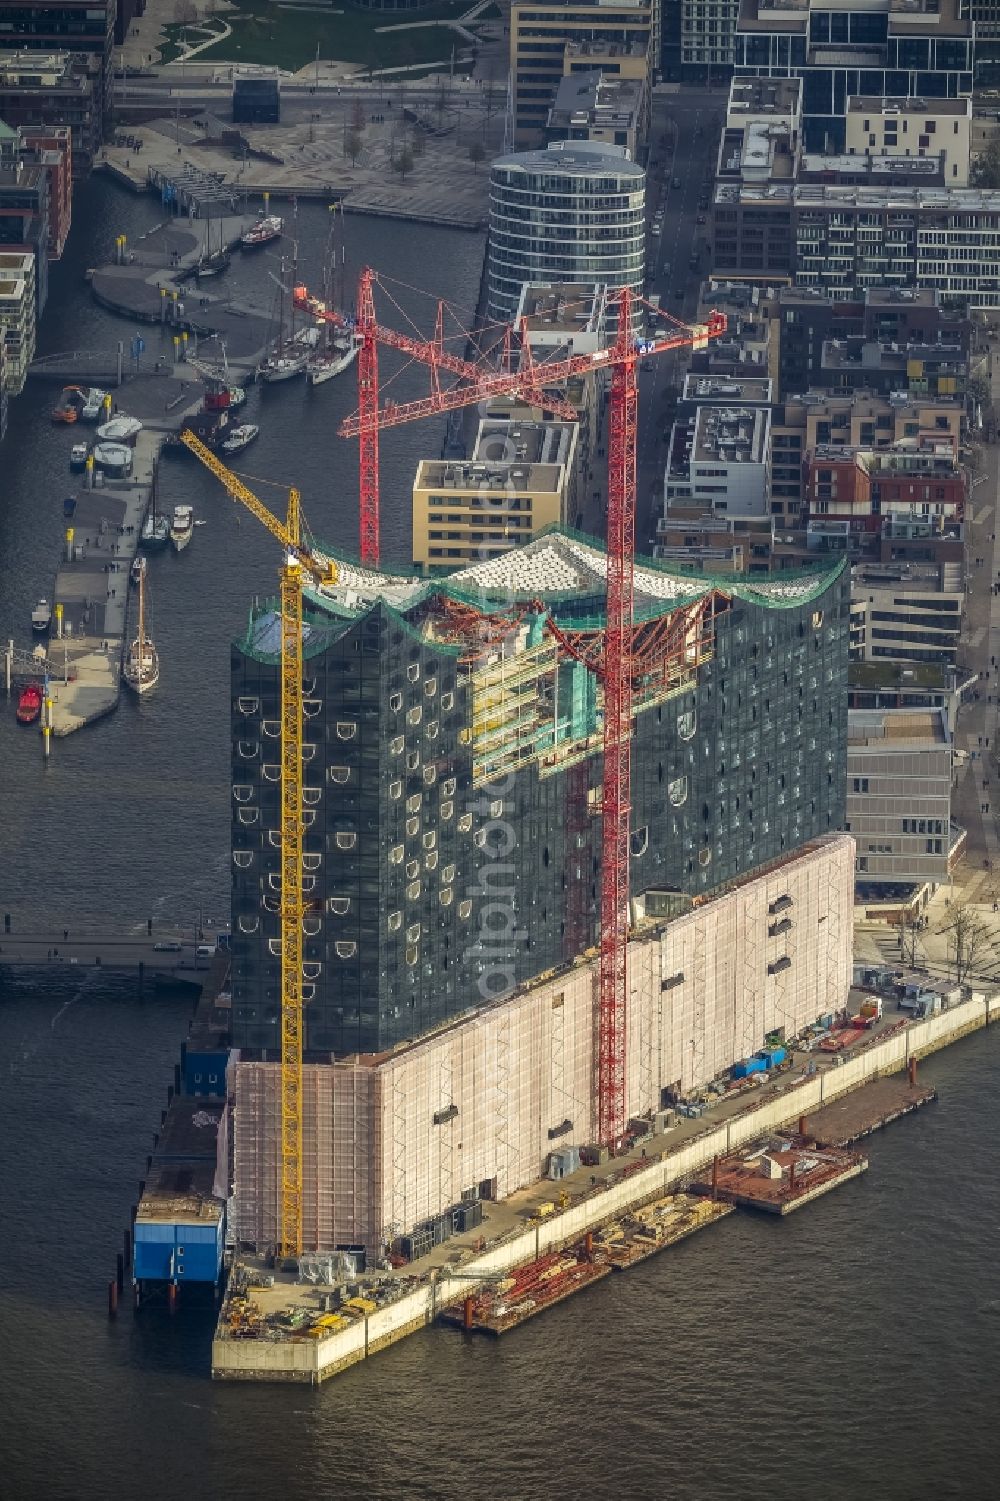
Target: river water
column 850, row 1351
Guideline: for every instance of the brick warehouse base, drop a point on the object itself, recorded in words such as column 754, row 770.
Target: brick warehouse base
column 394, row 1140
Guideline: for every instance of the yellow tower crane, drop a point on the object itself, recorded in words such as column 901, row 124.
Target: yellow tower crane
column 299, row 561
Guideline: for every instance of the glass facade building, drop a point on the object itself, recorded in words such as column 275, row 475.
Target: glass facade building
column 572, row 213
column 452, row 847
column 904, row 48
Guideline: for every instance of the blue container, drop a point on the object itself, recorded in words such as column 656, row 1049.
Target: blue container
column 754, row 1065
column 769, row 1057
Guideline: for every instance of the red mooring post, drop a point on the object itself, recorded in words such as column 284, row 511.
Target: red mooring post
column 588, row 1245
column 467, row 1308
column 802, row 1125
column 172, row 1297
column 911, row 1069
column 113, row 1298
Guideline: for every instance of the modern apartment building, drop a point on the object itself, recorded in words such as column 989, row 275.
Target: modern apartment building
column 569, row 213
column 899, row 776
column 907, row 341
column 881, row 48
column 592, row 107
column 24, row 220
column 54, row 27
column 521, row 478
column 900, row 612
column 913, row 127
column 707, row 37
column 51, row 149
column 543, row 35
column 947, row 240
column 720, row 455
column 17, row 316
column 52, row 90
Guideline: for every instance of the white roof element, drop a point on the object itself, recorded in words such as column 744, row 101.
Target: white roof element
column 554, row 563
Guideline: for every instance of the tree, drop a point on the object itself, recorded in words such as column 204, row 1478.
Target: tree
column 403, row 163
column 357, row 116
column 352, row 146
column 476, row 153
column 985, row 171
column 910, row 948
column 969, row 938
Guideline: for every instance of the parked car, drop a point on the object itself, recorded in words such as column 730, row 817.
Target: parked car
column 676, row 183
column 700, row 219
column 167, row 946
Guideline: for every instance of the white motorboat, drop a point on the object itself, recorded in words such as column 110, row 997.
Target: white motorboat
column 237, row 397
column 138, row 570
column 114, row 458
column 78, row 456
column 120, row 429
column 141, row 669
column 239, row 438
column 41, row 616
column 325, row 364
column 182, row 527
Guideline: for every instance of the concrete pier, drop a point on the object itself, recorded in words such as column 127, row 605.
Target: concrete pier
column 153, row 282
column 285, row 1355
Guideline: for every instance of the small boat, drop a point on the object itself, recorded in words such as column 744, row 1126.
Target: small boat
column 237, row 398
column 138, row 570
column 41, row 616
column 141, row 669
column 279, row 367
column 115, row 458
column 29, row 704
column 262, row 233
column 239, row 438
column 78, row 456
column 323, row 366
column 69, row 505
column 182, row 527
column 214, row 264
column 120, row 429
column 155, row 529
column 93, row 405
column 64, row 412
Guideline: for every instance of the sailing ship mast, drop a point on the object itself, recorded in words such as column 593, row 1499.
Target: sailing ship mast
column 142, row 622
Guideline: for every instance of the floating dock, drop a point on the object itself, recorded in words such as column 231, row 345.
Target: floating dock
column 779, row 1177
column 530, row 1289
column 857, row 1115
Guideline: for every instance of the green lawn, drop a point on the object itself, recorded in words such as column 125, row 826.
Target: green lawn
column 263, row 33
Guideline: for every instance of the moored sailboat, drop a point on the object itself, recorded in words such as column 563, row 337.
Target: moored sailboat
column 141, row 670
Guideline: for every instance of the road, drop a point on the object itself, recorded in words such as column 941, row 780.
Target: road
column 686, row 130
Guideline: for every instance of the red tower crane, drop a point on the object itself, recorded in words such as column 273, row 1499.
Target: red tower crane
column 531, row 380
column 431, row 352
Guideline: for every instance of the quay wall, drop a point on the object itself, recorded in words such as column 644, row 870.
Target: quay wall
column 312, row 1362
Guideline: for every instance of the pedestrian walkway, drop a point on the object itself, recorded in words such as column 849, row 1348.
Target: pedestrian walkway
column 976, row 804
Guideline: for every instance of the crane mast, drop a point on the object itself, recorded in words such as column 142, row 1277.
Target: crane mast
column 299, row 562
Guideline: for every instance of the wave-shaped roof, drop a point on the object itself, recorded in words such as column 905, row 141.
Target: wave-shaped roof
column 559, row 567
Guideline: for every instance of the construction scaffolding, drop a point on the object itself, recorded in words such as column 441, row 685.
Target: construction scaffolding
column 393, row 1142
